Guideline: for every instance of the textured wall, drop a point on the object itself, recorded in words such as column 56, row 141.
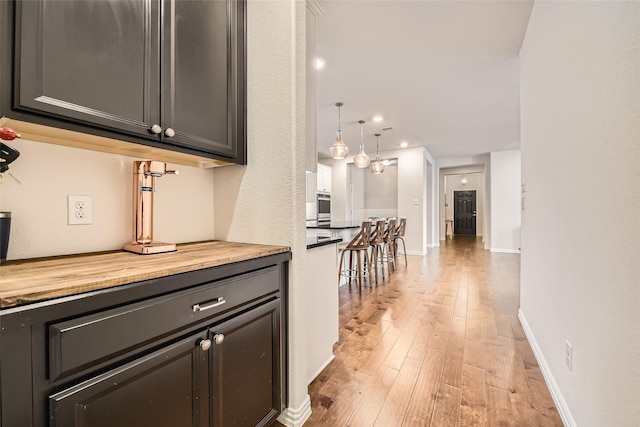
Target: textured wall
column 580, row 92
column 264, row 202
column 48, row 173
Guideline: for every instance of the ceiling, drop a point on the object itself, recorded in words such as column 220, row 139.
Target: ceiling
column 443, row 74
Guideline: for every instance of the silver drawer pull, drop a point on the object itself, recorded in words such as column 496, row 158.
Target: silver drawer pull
column 218, row 302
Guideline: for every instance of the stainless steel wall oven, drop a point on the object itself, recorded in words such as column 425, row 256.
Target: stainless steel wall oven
column 323, row 207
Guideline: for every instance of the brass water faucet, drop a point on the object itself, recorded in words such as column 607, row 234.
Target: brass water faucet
column 144, row 185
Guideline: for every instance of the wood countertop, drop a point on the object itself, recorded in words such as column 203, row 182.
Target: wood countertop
column 32, row 280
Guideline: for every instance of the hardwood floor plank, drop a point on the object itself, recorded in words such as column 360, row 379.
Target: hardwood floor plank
column 395, row 407
column 473, row 407
column 460, row 307
column 422, row 401
column 373, row 399
column 398, row 353
column 447, row 408
column 452, row 371
column 436, row 343
column 346, row 401
column 376, row 358
column 499, row 411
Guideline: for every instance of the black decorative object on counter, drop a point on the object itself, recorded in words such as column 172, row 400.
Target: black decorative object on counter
column 5, row 229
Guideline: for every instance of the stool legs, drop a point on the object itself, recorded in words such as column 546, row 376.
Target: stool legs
column 404, row 248
column 359, row 266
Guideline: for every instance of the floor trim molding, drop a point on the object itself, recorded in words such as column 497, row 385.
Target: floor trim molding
column 561, row 404
column 295, row 417
column 505, row 251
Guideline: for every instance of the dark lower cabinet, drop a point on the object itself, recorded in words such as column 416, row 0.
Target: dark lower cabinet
column 167, row 388
column 245, row 370
column 200, row 349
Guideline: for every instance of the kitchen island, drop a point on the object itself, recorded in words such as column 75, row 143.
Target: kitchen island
column 322, row 301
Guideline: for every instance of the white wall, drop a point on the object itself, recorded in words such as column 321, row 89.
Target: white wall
column 580, row 278
column 374, row 195
column 264, row 202
column 48, row 173
column 505, row 201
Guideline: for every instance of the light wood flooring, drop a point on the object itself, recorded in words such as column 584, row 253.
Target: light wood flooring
column 436, row 344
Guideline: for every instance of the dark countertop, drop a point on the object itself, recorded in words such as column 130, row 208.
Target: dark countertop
column 317, row 241
column 333, row 225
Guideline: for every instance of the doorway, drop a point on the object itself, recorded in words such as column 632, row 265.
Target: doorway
column 464, row 212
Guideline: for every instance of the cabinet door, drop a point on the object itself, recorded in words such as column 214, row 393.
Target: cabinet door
column 203, row 84
column 245, row 371
column 324, row 178
column 91, row 61
column 167, row 388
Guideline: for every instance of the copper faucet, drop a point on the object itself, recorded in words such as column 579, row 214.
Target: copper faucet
column 144, row 185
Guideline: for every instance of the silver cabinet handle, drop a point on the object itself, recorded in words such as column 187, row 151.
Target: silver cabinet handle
column 169, row 132
column 155, row 129
column 205, row 344
column 218, row 338
column 217, row 302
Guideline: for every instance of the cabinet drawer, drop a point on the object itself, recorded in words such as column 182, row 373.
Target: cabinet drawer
column 77, row 344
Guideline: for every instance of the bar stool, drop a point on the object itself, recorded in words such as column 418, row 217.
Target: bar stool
column 448, row 228
column 377, row 236
column 359, row 246
column 399, row 235
column 388, row 249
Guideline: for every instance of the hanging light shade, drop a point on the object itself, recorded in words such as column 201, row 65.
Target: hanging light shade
column 338, row 150
column 361, row 160
column 377, row 167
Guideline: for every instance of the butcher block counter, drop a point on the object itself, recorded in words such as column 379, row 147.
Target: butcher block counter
column 33, row 280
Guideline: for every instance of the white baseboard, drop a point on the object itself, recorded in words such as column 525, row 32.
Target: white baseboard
column 418, row 253
column 561, row 404
column 295, row 417
column 505, row 251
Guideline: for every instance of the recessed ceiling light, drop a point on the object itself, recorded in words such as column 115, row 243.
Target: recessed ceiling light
column 404, row 144
column 386, row 162
column 377, row 118
column 320, row 63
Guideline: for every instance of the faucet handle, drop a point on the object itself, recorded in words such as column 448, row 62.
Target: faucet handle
column 172, row 172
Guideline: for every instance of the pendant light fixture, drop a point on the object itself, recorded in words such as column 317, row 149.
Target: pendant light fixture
column 377, row 167
column 361, row 160
column 338, row 150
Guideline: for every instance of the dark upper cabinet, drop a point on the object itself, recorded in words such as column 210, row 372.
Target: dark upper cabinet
column 91, row 61
column 168, row 74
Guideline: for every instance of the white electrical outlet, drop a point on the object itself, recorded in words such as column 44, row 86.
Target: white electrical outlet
column 79, row 210
column 568, row 355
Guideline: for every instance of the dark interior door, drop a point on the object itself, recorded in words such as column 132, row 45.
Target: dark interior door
column 464, row 212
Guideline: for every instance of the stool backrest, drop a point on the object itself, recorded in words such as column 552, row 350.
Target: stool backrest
column 377, row 235
column 390, row 231
column 402, row 225
column 363, row 238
